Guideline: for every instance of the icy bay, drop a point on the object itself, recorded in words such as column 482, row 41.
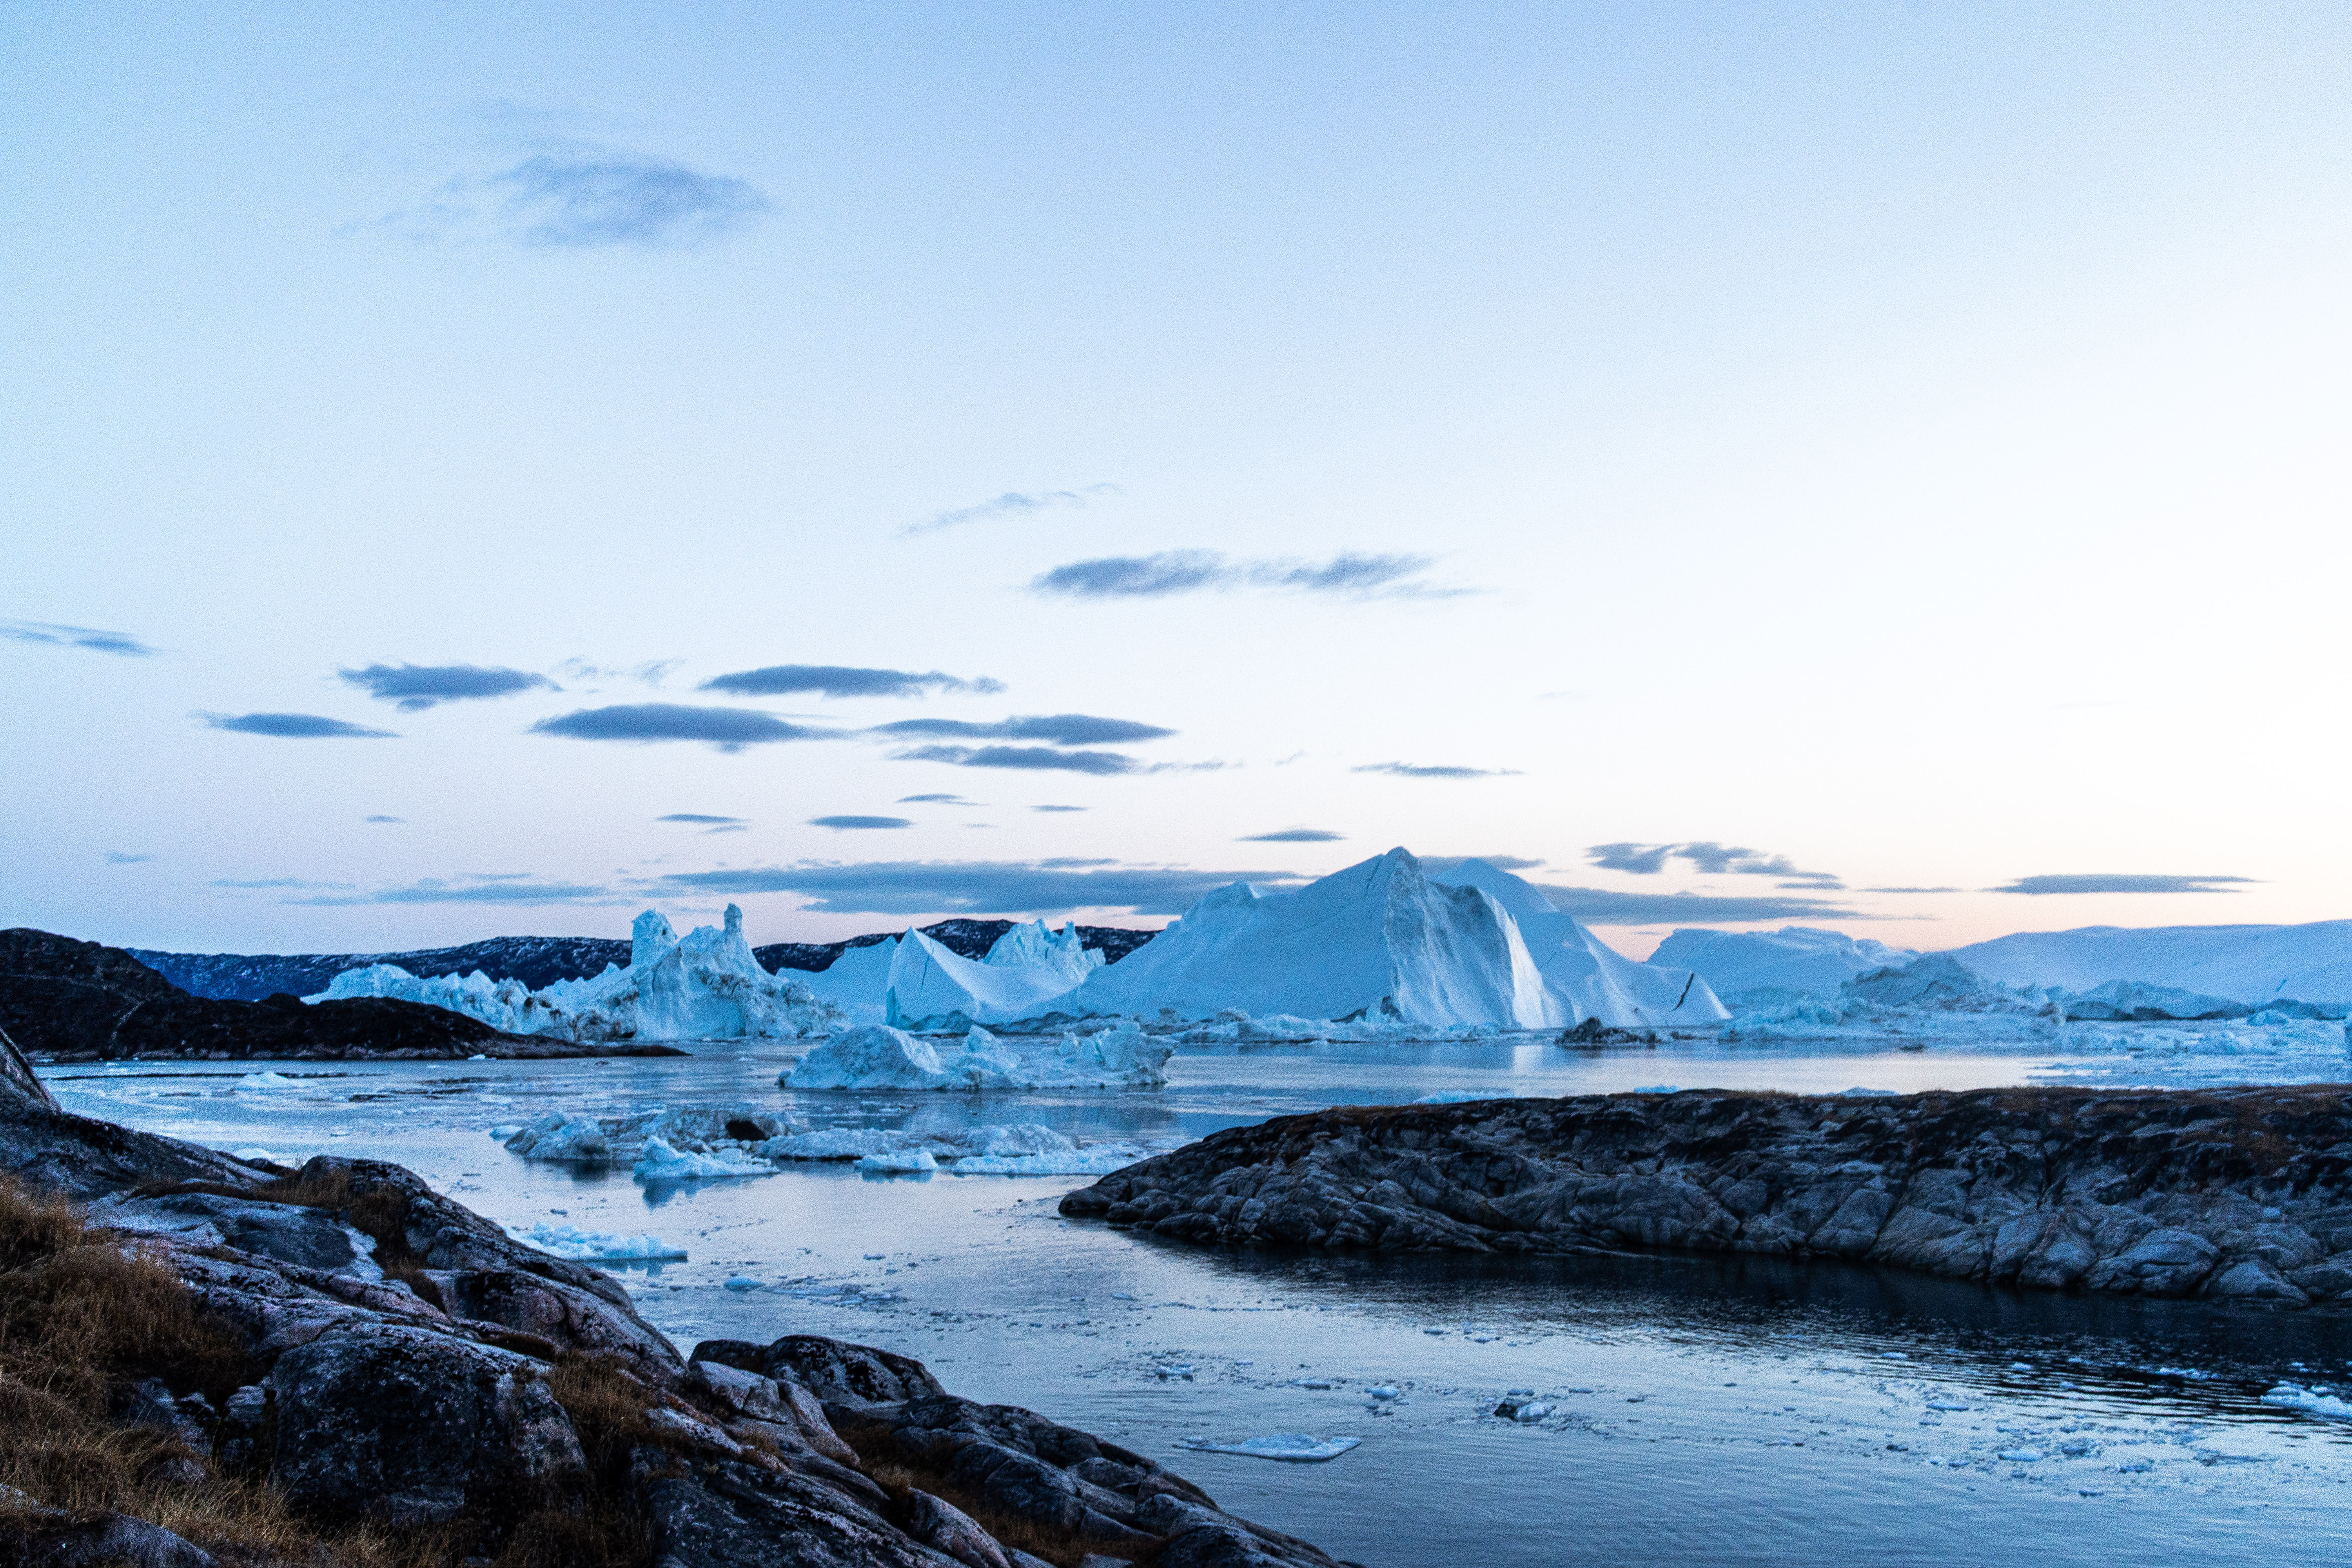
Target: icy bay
column 1697, row 1410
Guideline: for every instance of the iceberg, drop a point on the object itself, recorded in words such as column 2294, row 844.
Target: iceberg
column 705, row 986
column 878, row 1057
column 2133, row 1001
column 934, row 990
column 1586, row 977
column 2256, row 965
column 1378, row 939
column 1037, row 946
column 857, row 982
column 1749, row 969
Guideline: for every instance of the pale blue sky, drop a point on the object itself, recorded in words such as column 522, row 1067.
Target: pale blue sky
column 1770, row 455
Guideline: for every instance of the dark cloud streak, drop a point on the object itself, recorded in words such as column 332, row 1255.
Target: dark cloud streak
column 416, row 687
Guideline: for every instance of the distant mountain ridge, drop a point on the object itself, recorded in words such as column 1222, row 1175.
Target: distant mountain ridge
column 540, row 961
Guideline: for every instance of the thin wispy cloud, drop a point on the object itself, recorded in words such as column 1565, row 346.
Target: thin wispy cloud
column 292, row 726
column 1028, row 759
column 1012, row 503
column 935, row 800
column 1060, row 808
column 859, row 824
column 584, row 199
column 1710, row 859
column 1439, row 865
column 1292, row 835
column 270, row 884
column 2109, row 883
column 413, row 688
column 1173, row 572
column 1054, row 729
column 116, row 858
column 380, row 818
column 1603, row 906
column 652, row 672
column 480, row 888
column 843, row 680
column 728, row 729
column 123, row 645
column 1432, row 770
column 1004, row 888
column 708, row 823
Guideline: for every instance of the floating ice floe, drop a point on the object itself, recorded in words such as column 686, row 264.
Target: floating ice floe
column 262, row 1081
column 1297, row 1447
column 598, row 1247
column 1025, row 1148
column 704, row 986
column 694, row 1142
column 660, row 1162
column 898, row 1162
column 2294, row 1396
column 880, row 1057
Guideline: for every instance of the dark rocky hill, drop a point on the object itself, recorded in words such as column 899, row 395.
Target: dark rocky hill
column 2243, row 1194
column 71, row 1000
column 540, row 961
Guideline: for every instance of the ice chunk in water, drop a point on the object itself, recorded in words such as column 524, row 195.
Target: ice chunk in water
column 899, row 1161
column 264, row 1080
column 1298, row 1448
column 593, row 1246
column 2294, row 1396
column 660, row 1162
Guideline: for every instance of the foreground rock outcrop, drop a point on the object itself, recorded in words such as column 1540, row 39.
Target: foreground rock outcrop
column 65, row 1000
column 209, row 1361
column 2240, row 1194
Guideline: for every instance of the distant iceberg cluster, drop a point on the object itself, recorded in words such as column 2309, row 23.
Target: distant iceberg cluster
column 704, row 986
column 1381, row 945
column 1382, row 950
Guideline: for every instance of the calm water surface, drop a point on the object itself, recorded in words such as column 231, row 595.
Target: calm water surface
column 1705, row 1411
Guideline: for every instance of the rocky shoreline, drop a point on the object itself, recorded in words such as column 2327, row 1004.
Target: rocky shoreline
column 213, row 1361
column 2241, row 1196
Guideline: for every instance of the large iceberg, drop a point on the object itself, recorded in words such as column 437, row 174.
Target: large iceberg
column 934, row 990
column 2256, row 965
column 1765, row 967
column 704, row 986
column 1587, row 978
column 1376, row 939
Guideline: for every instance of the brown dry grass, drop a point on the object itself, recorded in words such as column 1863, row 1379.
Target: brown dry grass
column 81, row 1318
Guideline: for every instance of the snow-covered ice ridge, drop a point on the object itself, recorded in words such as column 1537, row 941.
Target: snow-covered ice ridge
column 705, row 986
column 2250, row 966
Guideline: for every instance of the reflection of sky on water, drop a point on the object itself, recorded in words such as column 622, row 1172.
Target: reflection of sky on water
column 1706, row 1410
